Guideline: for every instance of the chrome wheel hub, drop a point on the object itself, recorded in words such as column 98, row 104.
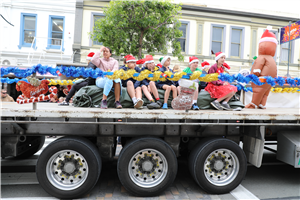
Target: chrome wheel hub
column 148, row 168
column 221, row 167
column 67, row 170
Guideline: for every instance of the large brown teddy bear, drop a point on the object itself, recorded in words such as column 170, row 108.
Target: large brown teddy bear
column 264, row 65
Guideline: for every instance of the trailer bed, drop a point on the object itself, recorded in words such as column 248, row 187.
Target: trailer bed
column 52, row 110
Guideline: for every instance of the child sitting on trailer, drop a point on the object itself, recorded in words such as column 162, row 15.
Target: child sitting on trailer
column 149, row 87
column 193, row 66
column 167, row 85
column 133, row 87
column 220, row 90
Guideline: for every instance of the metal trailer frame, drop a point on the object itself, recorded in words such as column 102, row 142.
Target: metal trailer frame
column 249, row 125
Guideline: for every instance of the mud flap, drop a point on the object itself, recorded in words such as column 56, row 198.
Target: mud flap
column 253, row 144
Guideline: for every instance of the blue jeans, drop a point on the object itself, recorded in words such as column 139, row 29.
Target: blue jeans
column 107, row 84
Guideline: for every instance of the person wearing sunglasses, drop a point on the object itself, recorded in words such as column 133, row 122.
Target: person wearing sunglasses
column 5, row 97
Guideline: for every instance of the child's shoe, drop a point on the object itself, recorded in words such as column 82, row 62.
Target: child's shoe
column 195, row 107
column 118, row 105
column 153, row 105
column 138, row 103
column 159, row 103
column 165, row 106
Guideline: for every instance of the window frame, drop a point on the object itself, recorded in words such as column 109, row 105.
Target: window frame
column 22, row 25
column 223, row 38
column 93, row 14
column 292, row 52
column 242, row 39
column 199, row 45
column 49, row 45
column 187, row 39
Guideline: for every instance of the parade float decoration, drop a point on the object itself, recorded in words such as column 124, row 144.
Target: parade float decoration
column 264, row 65
column 34, row 91
column 184, row 100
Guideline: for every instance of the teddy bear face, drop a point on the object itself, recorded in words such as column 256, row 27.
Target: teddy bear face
column 267, row 48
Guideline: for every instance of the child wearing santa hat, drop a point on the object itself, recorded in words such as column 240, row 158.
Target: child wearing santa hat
column 205, row 67
column 220, row 90
column 167, row 85
column 133, row 87
column 90, row 56
column 193, row 66
column 149, row 87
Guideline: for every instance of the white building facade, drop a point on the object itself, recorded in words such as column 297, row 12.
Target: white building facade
column 36, row 31
column 234, row 32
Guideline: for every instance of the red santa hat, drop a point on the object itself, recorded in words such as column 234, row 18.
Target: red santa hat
column 205, row 64
column 159, row 65
column 130, row 58
column 148, row 59
column 193, row 59
column 90, row 56
column 219, row 55
column 268, row 37
column 226, row 65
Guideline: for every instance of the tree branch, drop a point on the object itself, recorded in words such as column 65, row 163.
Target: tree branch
column 159, row 25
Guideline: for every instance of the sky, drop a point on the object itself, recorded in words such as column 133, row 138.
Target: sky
column 288, row 8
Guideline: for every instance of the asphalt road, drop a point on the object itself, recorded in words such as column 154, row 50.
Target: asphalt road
column 274, row 180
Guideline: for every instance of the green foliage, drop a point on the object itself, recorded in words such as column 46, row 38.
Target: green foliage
column 132, row 26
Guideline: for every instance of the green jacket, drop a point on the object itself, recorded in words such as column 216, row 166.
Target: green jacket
column 188, row 70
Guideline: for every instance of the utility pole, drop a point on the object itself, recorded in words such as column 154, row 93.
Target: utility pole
column 288, row 75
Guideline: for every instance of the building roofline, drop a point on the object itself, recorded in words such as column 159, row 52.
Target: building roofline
column 239, row 13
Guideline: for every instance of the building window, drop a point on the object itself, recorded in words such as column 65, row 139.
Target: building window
column 236, row 42
column 56, row 32
column 27, row 29
column 218, row 38
column 94, row 18
column 182, row 39
column 284, row 52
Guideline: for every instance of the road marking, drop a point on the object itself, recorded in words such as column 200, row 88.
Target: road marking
column 214, row 197
column 241, row 193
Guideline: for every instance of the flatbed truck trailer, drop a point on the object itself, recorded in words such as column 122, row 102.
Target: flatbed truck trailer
column 152, row 141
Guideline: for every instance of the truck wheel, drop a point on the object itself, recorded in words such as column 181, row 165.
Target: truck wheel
column 218, row 165
column 38, row 142
column 69, row 167
column 147, row 166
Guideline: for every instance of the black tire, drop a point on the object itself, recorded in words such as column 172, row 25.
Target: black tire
column 157, row 162
column 38, row 145
column 77, row 154
column 218, row 165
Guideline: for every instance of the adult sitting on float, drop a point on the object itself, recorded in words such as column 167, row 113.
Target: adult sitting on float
column 107, row 63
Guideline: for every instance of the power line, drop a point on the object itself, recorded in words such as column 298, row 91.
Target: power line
column 6, row 20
